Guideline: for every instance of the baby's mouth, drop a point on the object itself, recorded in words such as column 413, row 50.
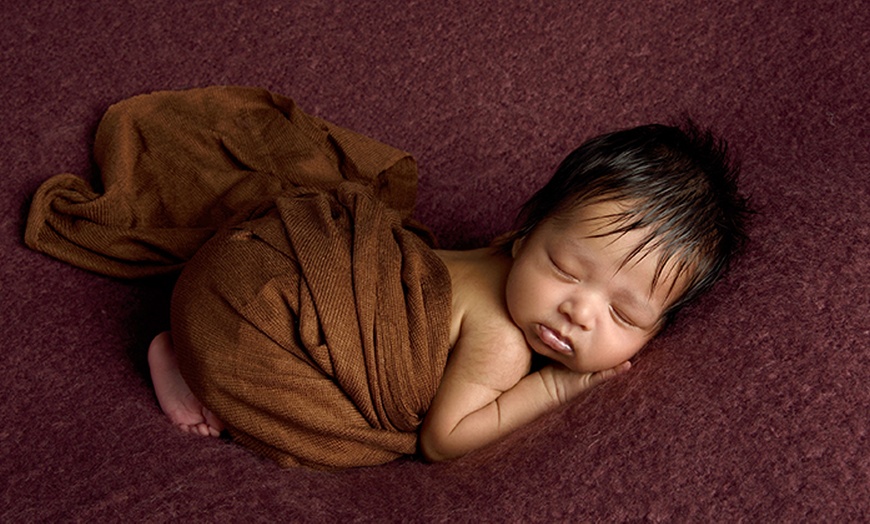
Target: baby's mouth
column 554, row 340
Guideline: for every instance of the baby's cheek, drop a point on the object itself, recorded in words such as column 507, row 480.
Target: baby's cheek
column 624, row 347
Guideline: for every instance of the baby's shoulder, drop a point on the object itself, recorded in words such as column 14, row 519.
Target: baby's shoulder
column 483, row 331
column 477, row 281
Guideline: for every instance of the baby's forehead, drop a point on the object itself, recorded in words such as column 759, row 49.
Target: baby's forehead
column 612, row 222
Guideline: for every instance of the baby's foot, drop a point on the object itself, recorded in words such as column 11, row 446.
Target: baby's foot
column 175, row 398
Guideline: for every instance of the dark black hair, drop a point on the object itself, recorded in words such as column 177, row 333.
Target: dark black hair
column 678, row 181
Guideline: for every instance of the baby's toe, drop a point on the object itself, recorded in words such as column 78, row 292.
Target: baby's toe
column 202, row 429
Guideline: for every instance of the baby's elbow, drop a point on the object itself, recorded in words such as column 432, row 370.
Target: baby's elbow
column 436, row 447
column 430, row 448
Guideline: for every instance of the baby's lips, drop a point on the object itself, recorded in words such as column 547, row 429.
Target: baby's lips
column 554, row 340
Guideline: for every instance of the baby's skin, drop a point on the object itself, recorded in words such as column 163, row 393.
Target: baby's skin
column 566, row 292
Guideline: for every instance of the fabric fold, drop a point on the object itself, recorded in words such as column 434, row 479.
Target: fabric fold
column 176, row 166
column 318, row 331
column 311, row 314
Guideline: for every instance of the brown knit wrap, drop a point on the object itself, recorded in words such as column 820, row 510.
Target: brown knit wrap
column 176, row 166
column 311, row 317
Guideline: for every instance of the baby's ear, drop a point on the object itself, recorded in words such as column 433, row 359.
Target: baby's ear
column 517, row 245
column 504, row 243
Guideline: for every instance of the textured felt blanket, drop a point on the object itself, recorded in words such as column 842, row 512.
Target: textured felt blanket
column 751, row 408
column 314, row 323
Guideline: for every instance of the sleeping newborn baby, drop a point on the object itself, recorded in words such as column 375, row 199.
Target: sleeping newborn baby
column 314, row 322
column 632, row 226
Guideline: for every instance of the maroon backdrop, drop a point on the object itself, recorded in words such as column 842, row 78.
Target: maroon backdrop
column 754, row 406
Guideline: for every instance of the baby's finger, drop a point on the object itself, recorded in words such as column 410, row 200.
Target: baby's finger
column 601, row 376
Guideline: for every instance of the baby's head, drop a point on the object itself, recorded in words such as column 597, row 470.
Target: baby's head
column 666, row 194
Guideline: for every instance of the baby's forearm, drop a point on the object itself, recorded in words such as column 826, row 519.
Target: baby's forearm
column 444, row 437
column 530, row 398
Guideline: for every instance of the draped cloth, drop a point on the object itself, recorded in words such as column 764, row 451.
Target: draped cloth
column 311, row 314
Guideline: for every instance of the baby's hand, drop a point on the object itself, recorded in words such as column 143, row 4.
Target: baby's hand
column 564, row 384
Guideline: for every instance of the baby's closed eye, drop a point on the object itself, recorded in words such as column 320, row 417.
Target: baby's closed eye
column 622, row 317
column 563, row 273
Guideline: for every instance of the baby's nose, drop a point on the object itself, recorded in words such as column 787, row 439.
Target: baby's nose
column 580, row 310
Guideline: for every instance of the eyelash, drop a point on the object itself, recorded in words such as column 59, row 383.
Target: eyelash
column 562, row 273
column 622, row 318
